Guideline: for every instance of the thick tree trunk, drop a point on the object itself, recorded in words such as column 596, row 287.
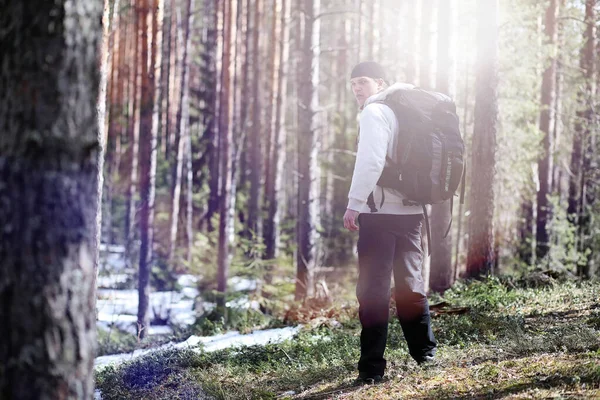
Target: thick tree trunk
column 271, row 89
column 165, row 72
column 133, row 135
column 170, row 90
column 189, row 198
column 584, row 134
column 480, row 258
column 546, row 119
column 425, row 77
column 372, row 28
column 226, row 133
column 359, row 28
column 525, row 230
column 465, row 127
column 238, row 65
column 49, row 156
column 272, row 221
column 308, row 103
column 183, row 117
column 425, row 82
column 410, row 53
column 148, row 139
column 110, row 98
column 557, row 170
column 440, row 270
column 212, row 118
column 254, row 143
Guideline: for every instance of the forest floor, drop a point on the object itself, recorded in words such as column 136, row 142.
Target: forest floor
column 497, row 339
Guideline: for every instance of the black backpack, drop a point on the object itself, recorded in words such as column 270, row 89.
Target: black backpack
column 429, row 165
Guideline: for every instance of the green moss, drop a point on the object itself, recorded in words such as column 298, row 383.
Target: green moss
column 512, row 341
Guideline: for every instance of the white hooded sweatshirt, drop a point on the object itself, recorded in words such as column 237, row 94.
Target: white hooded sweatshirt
column 378, row 138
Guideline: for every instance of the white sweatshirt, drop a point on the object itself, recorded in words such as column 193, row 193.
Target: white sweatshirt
column 378, row 137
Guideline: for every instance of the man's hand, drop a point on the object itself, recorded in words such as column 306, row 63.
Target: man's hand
column 350, row 220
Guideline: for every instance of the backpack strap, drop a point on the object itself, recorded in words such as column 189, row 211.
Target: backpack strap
column 462, row 199
column 428, row 229
column 371, row 203
column 449, row 224
column 462, row 189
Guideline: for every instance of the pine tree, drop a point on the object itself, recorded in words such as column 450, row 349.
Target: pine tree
column 49, row 165
column 480, row 257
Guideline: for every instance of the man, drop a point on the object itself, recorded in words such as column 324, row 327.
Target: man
column 389, row 235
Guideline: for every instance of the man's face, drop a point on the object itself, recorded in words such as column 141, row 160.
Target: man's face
column 363, row 87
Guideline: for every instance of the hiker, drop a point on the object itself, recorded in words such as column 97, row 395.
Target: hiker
column 389, row 238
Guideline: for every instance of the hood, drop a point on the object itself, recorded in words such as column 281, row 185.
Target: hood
column 386, row 92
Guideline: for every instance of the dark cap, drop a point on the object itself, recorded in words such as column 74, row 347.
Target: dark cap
column 370, row 69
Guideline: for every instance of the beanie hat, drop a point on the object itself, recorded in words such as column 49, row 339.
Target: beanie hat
column 370, row 69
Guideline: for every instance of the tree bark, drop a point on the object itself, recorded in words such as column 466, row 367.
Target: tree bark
column 525, row 230
column 148, row 140
column 254, row 143
column 133, row 135
column 546, row 120
column 425, row 80
column 480, row 257
column 440, row 270
column 212, row 118
column 271, row 227
column 557, row 131
column 226, row 133
column 49, row 169
column 583, row 143
column 183, row 117
column 308, row 124
column 411, row 43
column 271, row 85
column 110, row 98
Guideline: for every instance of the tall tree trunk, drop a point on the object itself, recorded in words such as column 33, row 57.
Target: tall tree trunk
column 242, row 105
column 583, row 144
column 308, row 124
column 254, row 143
column 546, row 119
column 165, row 74
column 211, row 121
column 480, row 258
column 359, row 35
column 238, row 64
column 183, row 117
column 558, row 107
column 410, row 53
column 440, row 271
column 148, row 139
column 425, row 82
column 371, row 31
column 271, row 84
column 133, row 134
column 171, row 93
column 427, row 10
column 271, row 228
column 49, row 181
column 273, row 218
column 189, row 199
column 110, row 99
column 465, row 126
column 226, row 133
column 525, row 230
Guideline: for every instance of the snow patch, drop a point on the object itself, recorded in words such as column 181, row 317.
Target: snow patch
column 241, row 284
column 210, row 343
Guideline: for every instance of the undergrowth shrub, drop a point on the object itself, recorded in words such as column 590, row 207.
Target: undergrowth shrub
column 486, row 295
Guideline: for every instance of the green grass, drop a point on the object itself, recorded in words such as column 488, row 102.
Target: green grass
column 512, row 343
